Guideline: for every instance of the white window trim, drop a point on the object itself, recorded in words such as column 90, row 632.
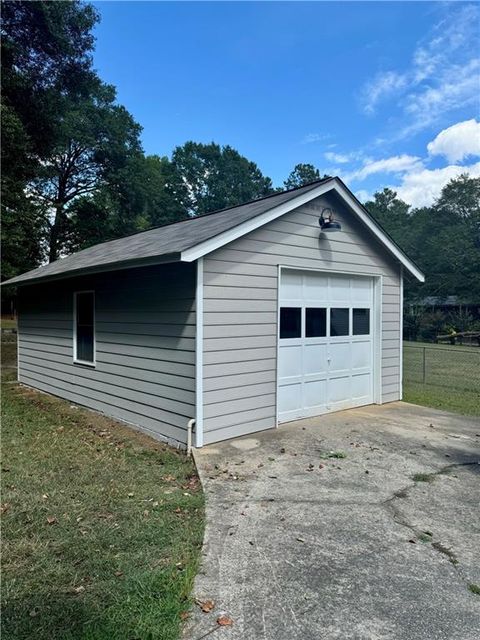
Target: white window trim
column 375, row 322
column 85, row 363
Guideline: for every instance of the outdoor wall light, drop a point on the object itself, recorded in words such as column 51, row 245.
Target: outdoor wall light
column 327, row 222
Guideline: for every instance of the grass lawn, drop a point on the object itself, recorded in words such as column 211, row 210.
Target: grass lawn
column 452, row 377
column 102, row 526
column 8, row 323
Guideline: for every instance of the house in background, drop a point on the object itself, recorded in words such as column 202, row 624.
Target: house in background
column 239, row 319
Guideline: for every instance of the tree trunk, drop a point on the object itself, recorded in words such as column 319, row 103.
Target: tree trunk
column 55, row 233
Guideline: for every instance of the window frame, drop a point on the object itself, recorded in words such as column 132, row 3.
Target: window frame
column 85, row 363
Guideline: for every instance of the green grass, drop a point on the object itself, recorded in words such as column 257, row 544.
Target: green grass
column 474, row 588
column 8, row 323
column 452, row 380
column 102, row 526
column 423, row 477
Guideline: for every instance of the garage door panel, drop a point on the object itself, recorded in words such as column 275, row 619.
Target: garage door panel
column 361, row 354
column 338, row 389
column 290, row 361
column 361, row 385
column 326, row 367
column 314, row 287
column 291, row 285
column 361, row 291
column 290, row 400
column 314, row 359
column 339, row 289
column 315, row 394
column 340, row 357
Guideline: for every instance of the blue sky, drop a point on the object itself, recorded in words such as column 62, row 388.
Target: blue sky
column 380, row 93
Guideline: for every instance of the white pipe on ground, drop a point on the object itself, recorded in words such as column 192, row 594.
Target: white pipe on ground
column 190, row 427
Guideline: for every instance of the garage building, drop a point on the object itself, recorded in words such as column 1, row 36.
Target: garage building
column 240, row 319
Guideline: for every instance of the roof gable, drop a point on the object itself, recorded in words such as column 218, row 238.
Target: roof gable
column 191, row 239
column 211, row 244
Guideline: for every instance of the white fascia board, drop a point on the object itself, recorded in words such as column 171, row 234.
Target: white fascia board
column 203, row 248
column 377, row 231
column 199, row 250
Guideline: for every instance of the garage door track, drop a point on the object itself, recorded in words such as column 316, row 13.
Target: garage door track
column 363, row 524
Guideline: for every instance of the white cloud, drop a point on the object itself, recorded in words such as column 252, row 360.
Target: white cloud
column 341, row 158
column 421, row 188
column 443, row 74
column 313, row 137
column 395, row 164
column 384, row 84
column 363, row 195
column 457, row 142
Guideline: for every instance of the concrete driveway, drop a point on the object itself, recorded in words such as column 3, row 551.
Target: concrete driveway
column 363, row 524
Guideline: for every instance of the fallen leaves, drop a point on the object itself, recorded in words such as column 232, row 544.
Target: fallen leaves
column 206, row 605
column 51, row 520
column 224, row 621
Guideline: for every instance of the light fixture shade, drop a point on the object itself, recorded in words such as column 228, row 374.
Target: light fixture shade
column 328, row 224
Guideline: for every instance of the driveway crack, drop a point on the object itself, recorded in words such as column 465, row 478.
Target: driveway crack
column 401, row 519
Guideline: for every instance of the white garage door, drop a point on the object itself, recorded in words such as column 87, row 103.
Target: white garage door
column 325, row 356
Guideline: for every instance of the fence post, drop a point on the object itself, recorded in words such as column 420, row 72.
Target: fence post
column 424, row 364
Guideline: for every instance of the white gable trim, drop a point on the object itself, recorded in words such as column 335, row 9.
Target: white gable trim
column 202, row 249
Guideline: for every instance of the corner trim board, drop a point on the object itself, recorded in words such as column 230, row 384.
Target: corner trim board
column 199, row 356
column 401, row 334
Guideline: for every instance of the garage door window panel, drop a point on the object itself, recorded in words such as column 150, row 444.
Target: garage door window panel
column 361, row 322
column 290, row 322
column 339, row 321
column 315, row 322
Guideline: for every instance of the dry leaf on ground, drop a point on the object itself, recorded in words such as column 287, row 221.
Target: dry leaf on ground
column 206, row 605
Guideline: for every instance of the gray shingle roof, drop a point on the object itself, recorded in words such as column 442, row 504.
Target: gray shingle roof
column 162, row 243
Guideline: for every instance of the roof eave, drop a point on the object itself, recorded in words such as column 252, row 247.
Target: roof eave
column 20, row 281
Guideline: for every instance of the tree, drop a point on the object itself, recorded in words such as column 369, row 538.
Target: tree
column 450, row 243
column 139, row 197
column 302, row 174
column 95, row 139
column 394, row 215
column 210, row 177
column 46, row 55
column 443, row 239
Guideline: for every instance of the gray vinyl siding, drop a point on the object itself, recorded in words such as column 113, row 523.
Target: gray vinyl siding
column 240, row 312
column 145, row 346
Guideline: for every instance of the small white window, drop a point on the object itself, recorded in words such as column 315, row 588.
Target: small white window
column 84, row 327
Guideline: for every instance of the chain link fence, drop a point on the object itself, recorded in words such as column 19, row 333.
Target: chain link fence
column 451, row 368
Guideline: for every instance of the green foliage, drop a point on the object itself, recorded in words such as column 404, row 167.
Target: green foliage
column 432, row 323
column 444, row 239
column 302, row 174
column 95, row 142
column 46, row 61
column 211, row 177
